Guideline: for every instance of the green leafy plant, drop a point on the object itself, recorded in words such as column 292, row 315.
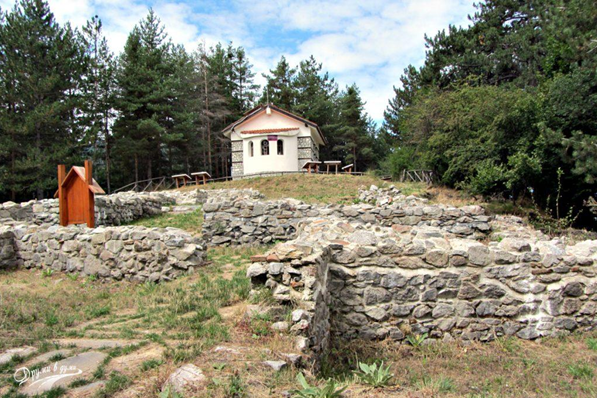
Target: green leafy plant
column 236, row 387
column 46, row 273
column 374, row 375
column 331, row 389
column 416, row 340
column 72, row 277
column 169, row 392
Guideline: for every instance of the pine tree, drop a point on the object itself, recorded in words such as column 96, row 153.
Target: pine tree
column 98, row 101
column 41, row 64
column 145, row 99
column 354, row 131
column 244, row 90
column 214, row 67
column 280, row 87
column 403, row 97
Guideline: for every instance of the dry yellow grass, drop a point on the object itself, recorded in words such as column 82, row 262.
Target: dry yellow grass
column 320, row 188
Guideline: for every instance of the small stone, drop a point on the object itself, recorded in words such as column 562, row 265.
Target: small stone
column 275, row 268
column 276, row 365
column 293, row 359
column 255, row 270
column 299, row 315
column 281, row 326
column 574, row 289
column 442, row 310
column 528, row 333
column 187, row 376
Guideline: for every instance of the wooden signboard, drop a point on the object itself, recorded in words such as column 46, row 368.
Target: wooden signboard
column 76, row 195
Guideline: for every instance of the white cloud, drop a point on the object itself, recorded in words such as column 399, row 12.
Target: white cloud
column 368, row 43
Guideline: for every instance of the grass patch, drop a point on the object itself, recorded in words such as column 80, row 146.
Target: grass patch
column 190, row 222
column 581, row 371
column 116, row 382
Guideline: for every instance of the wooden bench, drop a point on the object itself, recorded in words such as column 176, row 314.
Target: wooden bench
column 335, row 163
column 181, row 178
column 348, row 168
column 202, row 175
column 312, row 165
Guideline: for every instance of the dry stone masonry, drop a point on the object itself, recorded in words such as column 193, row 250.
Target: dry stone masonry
column 353, row 280
column 31, row 238
column 132, row 253
column 251, row 220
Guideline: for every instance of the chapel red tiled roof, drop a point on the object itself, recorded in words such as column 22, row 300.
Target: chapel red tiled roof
column 268, row 131
column 261, row 108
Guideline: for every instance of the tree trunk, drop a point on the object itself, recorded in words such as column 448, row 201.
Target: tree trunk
column 107, row 138
column 40, row 191
column 136, row 168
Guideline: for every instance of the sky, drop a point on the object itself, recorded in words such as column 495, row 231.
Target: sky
column 367, row 42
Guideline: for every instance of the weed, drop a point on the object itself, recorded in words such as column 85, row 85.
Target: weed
column 46, row 273
column 79, row 383
column 116, row 382
column 72, row 277
column 236, row 387
column 439, row 385
column 330, row 389
column 151, row 364
column 416, row 340
column 97, row 311
column 374, row 375
column 51, row 319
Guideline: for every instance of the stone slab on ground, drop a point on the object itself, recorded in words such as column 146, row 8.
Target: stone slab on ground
column 95, row 343
column 9, row 354
column 65, row 372
column 47, row 356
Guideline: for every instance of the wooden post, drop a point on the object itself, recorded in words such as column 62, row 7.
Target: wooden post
column 61, row 195
column 90, row 216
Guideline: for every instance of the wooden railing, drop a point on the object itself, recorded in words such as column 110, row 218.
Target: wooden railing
column 150, row 185
column 425, row 176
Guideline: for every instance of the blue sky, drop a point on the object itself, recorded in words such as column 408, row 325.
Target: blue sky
column 366, row 42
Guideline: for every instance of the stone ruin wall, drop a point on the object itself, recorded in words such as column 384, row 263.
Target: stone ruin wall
column 245, row 220
column 31, row 238
column 116, row 209
column 353, row 281
column 136, row 254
